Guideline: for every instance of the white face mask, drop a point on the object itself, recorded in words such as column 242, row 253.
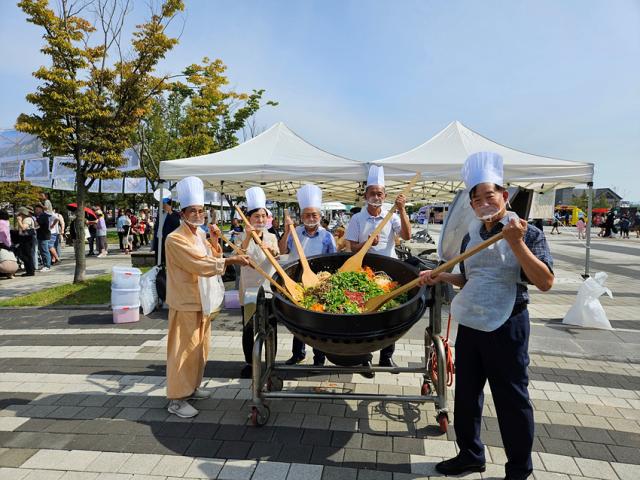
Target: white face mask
column 194, row 224
column 486, row 212
column 311, row 224
column 259, row 226
column 374, row 203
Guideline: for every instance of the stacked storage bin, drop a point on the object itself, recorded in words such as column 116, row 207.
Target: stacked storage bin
column 125, row 294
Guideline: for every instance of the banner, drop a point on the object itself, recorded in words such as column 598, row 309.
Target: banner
column 42, row 183
column 95, row 188
column 36, row 169
column 133, row 160
column 135, row 185
column 64, row 183
column 111, row 186
column 24, row 145
column 62, row 171
column 10, row 170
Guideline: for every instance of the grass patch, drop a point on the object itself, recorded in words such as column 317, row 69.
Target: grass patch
column 94, row 291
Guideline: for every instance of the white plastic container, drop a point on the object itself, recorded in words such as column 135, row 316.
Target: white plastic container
column 126, row 314
column 231, row 299
column 125, row 296
column 125, row 277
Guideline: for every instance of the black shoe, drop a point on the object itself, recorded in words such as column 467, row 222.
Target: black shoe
column 367, row 374
column 388, row 362
column 246, row 371
column 511, row 477
column 457, row 466
column 294, row 360
column 28, row 275
column 318, row 362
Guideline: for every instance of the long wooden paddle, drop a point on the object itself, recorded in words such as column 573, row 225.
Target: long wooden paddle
column 309, row 278
column 258, row 269
column 294, row 289
column 375, row 303
column 354, row 262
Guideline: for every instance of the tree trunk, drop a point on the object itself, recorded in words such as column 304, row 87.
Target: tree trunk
column 78, row 243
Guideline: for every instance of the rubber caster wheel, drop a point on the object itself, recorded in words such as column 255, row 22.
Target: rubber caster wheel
column 443, row 422
column 274, row 384
column 425, row 390
column 259, row 416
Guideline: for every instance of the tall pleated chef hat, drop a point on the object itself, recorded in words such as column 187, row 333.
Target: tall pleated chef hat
column 309, row 196
column 190, row 192
column 376, row 176
column 482, row 167
column 255, row 198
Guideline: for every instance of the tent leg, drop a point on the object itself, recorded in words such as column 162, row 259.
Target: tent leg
column 587, row 258
column 162, row 215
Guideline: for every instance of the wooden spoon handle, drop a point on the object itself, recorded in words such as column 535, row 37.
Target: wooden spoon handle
column 304, row 263
column 466, row 254
column 266, row 251
column 257, row 268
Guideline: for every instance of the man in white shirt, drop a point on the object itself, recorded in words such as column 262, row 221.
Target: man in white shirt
column 362, row 224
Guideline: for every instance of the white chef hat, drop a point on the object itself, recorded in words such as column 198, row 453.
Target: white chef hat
column 482, row 167
column 255, row 198
column 376, row 176
column 190, row 192
column 309, row 196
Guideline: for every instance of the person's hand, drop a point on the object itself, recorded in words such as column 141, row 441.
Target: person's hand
column 214, row 231
column 427, row 279
column 249, row 228
column 376, row 240
column 242, row 260
column 514, row 231
column 400, row 203
column 288, row 223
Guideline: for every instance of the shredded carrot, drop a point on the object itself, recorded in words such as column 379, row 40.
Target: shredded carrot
column 369, row 272
column 317, row 307
column 390, row 286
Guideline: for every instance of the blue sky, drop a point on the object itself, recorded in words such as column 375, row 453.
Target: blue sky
column 367, row 79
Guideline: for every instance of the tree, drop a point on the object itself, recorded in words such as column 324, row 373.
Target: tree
column 581, row 201
column 197, row 115
column 88, row 105
column 18, row 194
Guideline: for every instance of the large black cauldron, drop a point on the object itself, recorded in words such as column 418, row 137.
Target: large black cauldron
column 346, row 338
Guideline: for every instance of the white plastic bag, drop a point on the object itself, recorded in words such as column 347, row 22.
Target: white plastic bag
column 148, row 292
column 587, row 310
column 211, row 293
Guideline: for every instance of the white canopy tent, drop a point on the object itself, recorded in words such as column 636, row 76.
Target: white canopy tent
column 279, row 161
column 439, row 160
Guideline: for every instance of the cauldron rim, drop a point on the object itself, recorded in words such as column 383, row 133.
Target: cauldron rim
column 285, row 266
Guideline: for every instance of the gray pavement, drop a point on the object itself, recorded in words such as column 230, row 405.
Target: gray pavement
column 82, row 398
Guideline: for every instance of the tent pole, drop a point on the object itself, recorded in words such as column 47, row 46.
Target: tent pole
column 162, row 215
column 587, row 259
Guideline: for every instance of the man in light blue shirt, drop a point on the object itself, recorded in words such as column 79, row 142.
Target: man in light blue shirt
column 315, row 240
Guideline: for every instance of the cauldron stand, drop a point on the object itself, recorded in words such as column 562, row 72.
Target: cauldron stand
column 267, row 385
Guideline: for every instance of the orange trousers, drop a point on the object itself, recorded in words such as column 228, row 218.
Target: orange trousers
column 187, row 352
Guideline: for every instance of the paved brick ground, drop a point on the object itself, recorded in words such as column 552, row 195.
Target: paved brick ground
column 81, row 398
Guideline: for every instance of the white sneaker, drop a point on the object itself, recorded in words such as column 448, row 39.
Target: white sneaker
column 45, row 269
column 182, row 409
column 199, row 394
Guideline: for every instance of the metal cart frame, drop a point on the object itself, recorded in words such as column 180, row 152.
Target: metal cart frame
column 267, row 385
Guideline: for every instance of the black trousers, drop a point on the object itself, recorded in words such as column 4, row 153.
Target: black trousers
column 121, row 240
column 26, row 254
column 385, row 354
column 248, row 335
column 501, row 357
column 298, row 349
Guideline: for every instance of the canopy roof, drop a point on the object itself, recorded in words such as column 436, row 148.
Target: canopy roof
column 280, row 161
column 439, row 160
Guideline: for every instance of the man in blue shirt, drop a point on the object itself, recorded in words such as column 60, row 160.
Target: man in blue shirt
column 315, row 240
column 493, row 333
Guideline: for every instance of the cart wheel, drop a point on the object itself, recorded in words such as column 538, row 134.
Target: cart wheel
column 426, row 389
column 274, row 384
column 443, row 421
column 259, row 416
